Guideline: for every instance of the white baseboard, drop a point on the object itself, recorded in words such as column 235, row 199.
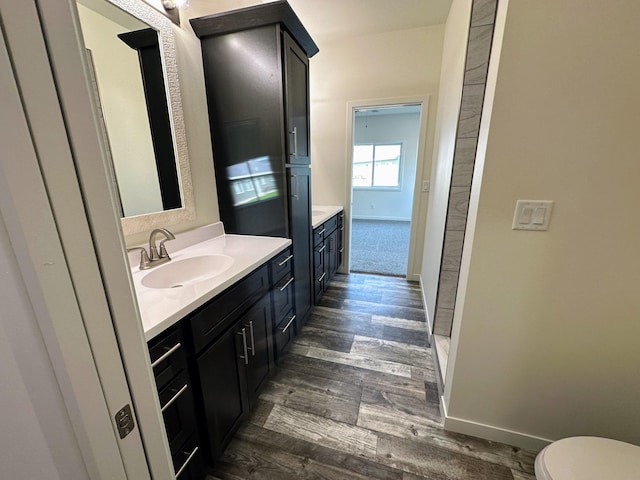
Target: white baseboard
column 424, row 304
column 413, row 277
column 389, row 219
column 490, row 432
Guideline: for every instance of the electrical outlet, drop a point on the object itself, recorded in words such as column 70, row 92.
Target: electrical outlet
column 371, row 206
column 426, row 185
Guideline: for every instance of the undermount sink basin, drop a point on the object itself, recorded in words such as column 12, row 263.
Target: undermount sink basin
column 180, row 273
column 317, row 212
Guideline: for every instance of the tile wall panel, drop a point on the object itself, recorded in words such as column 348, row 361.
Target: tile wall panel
column 475, row 77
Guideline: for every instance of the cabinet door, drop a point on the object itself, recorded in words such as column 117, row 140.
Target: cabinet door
column 332, row 255
column 223, row 387
column 257, row 323
column 319, row 270
column 300, row 221
column 296, row 80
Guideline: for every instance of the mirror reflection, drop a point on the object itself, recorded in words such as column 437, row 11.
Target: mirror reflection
column 128, row 79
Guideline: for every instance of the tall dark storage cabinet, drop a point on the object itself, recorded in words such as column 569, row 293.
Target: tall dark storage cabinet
column 256, row 71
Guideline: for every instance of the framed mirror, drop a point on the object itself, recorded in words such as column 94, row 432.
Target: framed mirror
column 131, row 56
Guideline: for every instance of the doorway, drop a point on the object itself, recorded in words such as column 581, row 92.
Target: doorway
column 384, row 157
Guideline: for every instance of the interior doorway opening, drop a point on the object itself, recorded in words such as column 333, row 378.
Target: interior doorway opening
column 384, row 159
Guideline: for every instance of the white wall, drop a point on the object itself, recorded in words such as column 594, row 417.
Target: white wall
column 341, row 72
column 546, row 339
column 32, row 411
column 389, row 204
column 450, row 94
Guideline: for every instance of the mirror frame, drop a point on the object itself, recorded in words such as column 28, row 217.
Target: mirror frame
column 164, row 27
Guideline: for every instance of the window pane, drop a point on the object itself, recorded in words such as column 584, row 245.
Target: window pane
column 362, row 153
column 362, row 174
column 362, row 165
column 387, row 152
column 387, row 166
column 387, row 173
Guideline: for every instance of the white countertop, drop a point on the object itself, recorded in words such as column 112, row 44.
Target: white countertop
column 322, row 213
column 162, row 307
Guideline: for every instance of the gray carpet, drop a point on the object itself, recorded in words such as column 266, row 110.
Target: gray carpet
column 379, row 247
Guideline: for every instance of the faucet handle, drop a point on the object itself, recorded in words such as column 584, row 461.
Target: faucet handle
column 163, row 250
column 145, row 261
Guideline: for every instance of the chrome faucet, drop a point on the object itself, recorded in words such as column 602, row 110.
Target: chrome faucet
column 154, row 258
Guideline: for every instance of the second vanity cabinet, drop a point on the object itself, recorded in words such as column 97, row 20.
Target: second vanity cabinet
column 327, row 253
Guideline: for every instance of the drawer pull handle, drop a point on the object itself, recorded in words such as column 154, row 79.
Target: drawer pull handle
column 285, row 260
column 253, row 342
column 321, row 232
column 321, row 249
column 175, row 397
column 322, row 277
column 341, row 250
column 186, row 462
column 286, row 284
column 294, row 132
column 166, row 355
column 244, row 346
column 286, row 327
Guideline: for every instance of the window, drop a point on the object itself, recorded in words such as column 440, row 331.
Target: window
column 376, row 165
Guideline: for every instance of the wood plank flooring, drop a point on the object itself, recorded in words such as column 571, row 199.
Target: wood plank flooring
column 356, row 398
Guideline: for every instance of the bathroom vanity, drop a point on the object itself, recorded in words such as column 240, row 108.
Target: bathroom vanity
column 328, row 248
column 215, row 334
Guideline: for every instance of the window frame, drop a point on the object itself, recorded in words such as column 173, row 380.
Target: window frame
column 396, row 188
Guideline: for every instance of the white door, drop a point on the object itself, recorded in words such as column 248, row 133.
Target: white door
column 47, row 218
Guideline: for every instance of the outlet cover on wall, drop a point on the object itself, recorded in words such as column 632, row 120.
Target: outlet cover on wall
column 532, row 215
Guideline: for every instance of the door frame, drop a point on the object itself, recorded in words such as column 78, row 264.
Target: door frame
column 413, row 271
column 50, row 237
column 70, row 69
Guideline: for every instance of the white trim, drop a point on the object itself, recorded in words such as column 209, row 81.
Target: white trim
column 424, row 303
column 490, row 432
column 423, row 101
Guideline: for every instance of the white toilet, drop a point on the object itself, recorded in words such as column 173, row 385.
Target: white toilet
column 588, row 458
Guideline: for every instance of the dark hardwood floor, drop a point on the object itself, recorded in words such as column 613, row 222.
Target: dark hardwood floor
column 356, row 398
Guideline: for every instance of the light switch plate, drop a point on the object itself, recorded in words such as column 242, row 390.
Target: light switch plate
column 532, row 215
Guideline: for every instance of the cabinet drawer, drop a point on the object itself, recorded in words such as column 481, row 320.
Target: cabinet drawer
column 167, row 357
column 210, row 322
column 341, row 220
column 330, row 225
column 318, row 258
column 283, row 333
column 281, row 265
column 283, row 294
column 176, row 403
column 187, row 461
column 318, row 235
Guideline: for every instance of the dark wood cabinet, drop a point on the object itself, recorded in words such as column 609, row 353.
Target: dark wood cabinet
column 232, row 358
column 175, row 392
column 300, row 211
column 296, row 82
column 283, row 300
column 222, row 388
column 327, row 253
column 256, row 71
